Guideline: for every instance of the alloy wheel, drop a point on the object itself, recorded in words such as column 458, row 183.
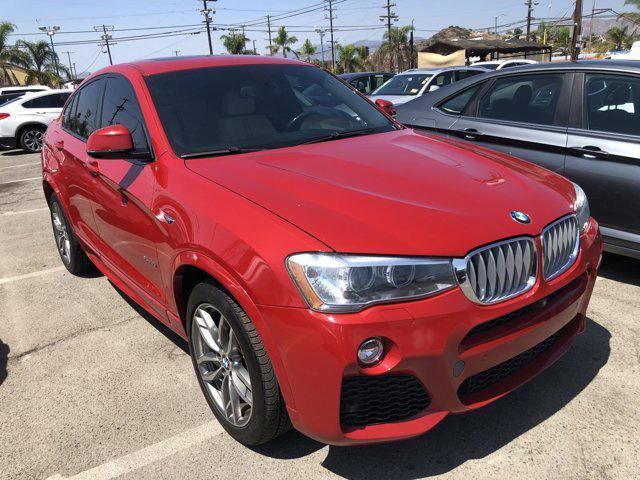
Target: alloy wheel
column 33, row 140
column 221, row 364
column 61, row 233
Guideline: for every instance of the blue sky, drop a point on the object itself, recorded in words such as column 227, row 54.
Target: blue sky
column 182, row 15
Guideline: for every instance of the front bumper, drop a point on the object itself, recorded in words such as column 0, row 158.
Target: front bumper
column 428, row 341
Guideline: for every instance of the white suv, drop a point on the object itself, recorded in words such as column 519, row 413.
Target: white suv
column 24, row 120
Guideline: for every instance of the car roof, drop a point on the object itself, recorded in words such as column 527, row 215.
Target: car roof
column 172, row 64
column 413, row 71
column 359, row 74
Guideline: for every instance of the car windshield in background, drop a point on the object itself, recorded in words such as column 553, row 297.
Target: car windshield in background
column 236, row 109
column 404, row 85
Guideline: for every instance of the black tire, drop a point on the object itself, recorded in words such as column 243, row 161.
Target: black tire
column 269, row 418
column 32, row 138
column 71, row 254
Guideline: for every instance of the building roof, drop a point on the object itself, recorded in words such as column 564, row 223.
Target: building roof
column 478, row 47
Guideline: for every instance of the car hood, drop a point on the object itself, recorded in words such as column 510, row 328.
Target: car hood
column 399, row 192
column 395, row 99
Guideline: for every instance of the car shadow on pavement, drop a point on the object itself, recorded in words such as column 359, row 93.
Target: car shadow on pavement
column 12, row 153
column 4, row 358
column 620, row 269
column 475, row 435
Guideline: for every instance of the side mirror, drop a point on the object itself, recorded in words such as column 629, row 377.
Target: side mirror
column 113, row 141
column 386, row 106
column 433, row 88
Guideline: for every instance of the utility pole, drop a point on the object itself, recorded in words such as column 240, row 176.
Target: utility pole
column 71, row 77
column 593, row 13
column 331, row 18
column 207, row 12
column 51, row 31
column 530, row 4
column 106, row 37
column 389, row 17
column 269, row 28
column 175, row 52
column 577, row 30
column 321, row 32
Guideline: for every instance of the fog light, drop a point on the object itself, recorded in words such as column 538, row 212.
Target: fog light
column 370, row 351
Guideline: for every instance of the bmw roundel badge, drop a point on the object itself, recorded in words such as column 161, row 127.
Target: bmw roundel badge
column 520, row 217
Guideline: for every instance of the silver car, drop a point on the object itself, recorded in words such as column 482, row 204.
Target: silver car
column 413, row 83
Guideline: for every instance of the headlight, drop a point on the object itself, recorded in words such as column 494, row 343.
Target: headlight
column 347, row 283
column 581, row 207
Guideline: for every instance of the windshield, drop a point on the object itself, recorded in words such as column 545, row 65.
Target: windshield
column 404, row 84
column 248, row 107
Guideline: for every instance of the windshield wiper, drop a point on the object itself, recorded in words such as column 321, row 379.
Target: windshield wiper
column 223, row 151
column 338, row 135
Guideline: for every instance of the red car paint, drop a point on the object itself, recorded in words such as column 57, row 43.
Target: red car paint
column 238, row 218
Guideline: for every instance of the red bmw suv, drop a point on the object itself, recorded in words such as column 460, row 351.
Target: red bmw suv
column 330, row 269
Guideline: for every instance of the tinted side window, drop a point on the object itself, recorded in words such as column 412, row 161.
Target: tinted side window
column 612, row 103
column 55, row 100
column 525, row 98
column 457, row 104
column 462, row 74
column 84, row 119
column 67, row 112
column 121, row 107
column 361, row 84
column 378, row 80
column 443, row 79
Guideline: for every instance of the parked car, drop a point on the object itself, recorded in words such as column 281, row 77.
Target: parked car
column 581, row 120
column 9, row 93
column 24, row 120
column 416, row 82
column 366, row 82
column 329, row 268
column 502, row 64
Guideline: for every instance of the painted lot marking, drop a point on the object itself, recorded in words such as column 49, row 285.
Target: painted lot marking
column 20, row 212
column 30, row 275
column 20, row 181
column 148, row 455
column 21, row 165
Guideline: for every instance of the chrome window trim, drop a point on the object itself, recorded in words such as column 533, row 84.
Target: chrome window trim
column 572, row 257
column 460, row 269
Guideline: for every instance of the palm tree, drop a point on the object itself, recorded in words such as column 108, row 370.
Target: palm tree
column 307, row 50
column 618, row 37
column 633, row 17
column 9, row 54
column 42, row 63
column 395, row 45
column 234, row 42
column 283, row 42
column 348, row 58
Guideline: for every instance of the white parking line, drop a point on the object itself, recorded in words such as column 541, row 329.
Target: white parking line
column 20, row 212
column 30, row 275
column 22, row 180
column 148, row 455
column 21, row 165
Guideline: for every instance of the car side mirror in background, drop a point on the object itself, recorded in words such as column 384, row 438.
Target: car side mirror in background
column 113, row 141
column 433, row 88
column 386, row 106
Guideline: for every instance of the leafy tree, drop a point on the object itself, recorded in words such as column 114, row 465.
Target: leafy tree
column 40, row 62
column 349, row 59
column 307, row 50
column 395, row 48
column 618, row 38
column 283, row 41
column 560, row 39
column 234, row 42
column 9, row 53
column 633, row 17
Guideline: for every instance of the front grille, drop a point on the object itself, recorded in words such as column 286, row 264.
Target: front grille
column 498, row 271
column 483, row 380
column 381, row 399
column 560, row 244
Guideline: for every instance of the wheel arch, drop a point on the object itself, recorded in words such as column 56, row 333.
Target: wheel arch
column 193, row 268
column 25, row 125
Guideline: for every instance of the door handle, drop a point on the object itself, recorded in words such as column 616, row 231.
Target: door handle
column 92, row 166
column 40, row 113
column 590, row 151
column 60, row 145
column 470, row 133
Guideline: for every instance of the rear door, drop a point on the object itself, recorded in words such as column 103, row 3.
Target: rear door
column 128, row 230
column 524, row 115
column 603, row 154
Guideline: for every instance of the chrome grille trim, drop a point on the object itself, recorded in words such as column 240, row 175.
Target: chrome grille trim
column 560, row 246
column 499, row 271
